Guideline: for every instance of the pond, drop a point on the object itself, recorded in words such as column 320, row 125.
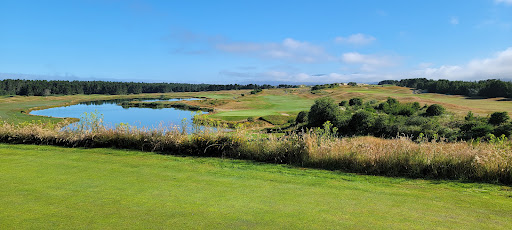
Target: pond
column 134, row 116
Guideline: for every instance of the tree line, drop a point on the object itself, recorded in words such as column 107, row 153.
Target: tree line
column 46, row 88
column 484, row 88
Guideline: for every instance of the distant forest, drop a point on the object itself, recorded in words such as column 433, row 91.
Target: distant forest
column 485, row 88
column 46, row 88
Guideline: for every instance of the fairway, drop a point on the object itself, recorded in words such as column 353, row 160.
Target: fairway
column 259, row 106
column 60, row 188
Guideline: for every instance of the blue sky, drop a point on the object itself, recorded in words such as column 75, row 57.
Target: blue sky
column 255, row 41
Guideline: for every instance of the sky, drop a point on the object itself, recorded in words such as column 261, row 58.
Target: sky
column 247, row 41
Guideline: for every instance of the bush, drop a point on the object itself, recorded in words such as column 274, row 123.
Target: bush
column 343, row 103
column 302, row 117
column 416, row 105
column 470, row 116
column 361, row 122
column 255, row 91
column 392, row 106
column 435, row 110
column 406, row 110
column 323, row 110
column 482, row 130
column 355, row 101
column 505, row 129
column 498, row 118
column 392, row 101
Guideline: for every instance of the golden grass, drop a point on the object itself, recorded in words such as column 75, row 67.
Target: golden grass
column 490, row 162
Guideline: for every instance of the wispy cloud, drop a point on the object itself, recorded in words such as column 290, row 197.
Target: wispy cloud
column 356, row 39
column 191, row 43
column 368, row 62
column 507, row 2
column 454, row 21
column 289, row 49
column 494, row 23
column 498, row 66
column 305, row 78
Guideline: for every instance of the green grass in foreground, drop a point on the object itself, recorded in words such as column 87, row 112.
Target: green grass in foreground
column 51, row 187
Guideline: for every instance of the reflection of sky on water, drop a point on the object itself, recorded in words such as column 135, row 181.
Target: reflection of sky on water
column 115, row 114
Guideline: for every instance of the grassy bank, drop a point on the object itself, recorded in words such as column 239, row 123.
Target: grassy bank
column 61, row 188
column 489, row 162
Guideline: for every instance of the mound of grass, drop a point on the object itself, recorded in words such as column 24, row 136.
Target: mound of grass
column 276, row 119
column 47, row 187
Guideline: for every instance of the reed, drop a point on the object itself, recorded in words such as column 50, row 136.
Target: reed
column 437, row 159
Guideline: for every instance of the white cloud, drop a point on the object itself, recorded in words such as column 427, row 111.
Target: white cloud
column 304, row 78
column 454, row 21
column 498, row 66
column 356, row 39
column 368, row 63
column 507, row 2
column 287, row 49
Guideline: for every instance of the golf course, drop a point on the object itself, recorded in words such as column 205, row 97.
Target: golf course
column 102, row 188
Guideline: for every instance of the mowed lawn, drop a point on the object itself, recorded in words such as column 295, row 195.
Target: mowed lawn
column 264, row 105
column 44, row 187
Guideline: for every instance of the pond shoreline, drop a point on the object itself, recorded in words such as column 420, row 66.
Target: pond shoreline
column 68, row 119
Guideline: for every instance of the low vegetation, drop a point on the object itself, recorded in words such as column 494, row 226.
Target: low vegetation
column 476, row 161
column 391, row 119
column 164, row 104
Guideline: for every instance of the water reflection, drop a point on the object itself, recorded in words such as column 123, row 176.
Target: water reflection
column 133, row 116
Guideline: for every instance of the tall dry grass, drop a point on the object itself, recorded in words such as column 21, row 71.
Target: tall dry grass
column 489, row 162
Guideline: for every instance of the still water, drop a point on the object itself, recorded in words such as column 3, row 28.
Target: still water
column 114, row 114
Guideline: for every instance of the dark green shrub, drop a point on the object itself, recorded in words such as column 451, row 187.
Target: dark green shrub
column 470, row 116
column 361, row 122
column 355, row 101
column 505, row 129
column 343, row 103
column 392, row 106
column 482, row 130
column 435, row 110
column 498, row 118
column 416, row 120
column 392, row 101
column 416, row 105
column 380, row 106
column 302, row 117
column 323, row 110
column 255, row 91
column 406, row 110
